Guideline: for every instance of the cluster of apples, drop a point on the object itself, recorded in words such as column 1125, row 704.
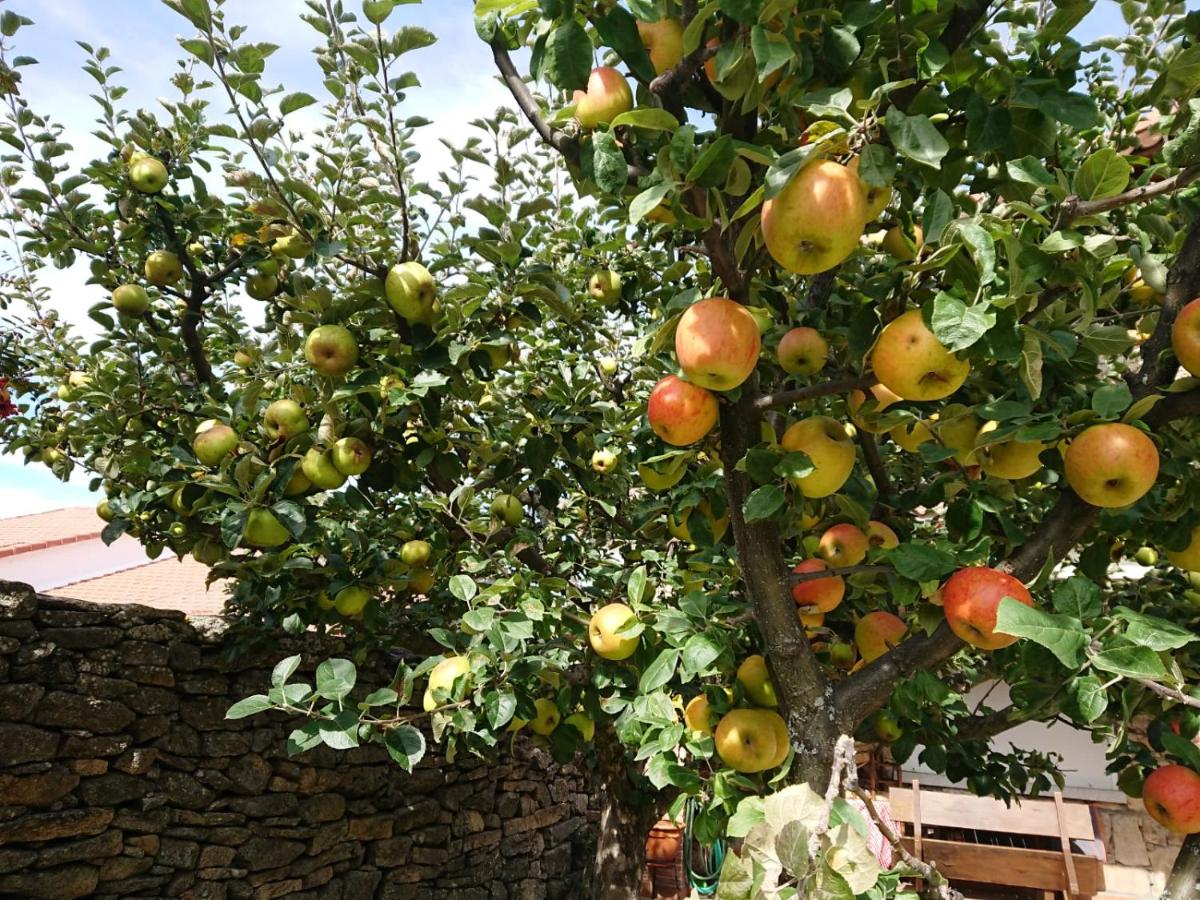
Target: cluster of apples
column 748, row 739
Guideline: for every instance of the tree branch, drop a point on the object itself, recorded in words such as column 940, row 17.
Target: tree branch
column 959, row 27
column 839, row 385
column 1181, row 885
column 883, row 483
column 682, row 73
column 801, row 577
column 1169, row 693
column 190, row 325
column 1076, row 208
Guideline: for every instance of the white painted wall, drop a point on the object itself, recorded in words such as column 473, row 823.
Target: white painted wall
column 66, row 564
column 1083, row 761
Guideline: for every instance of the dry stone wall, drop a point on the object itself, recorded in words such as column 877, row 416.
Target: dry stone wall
column 121, row 777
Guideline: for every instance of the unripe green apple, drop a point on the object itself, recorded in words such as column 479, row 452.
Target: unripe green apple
column 264, row 530
column 293, row 246
column 213, row 444
column 131, row 300
column 416, row 553
column 887, row 728
column 208, row 552
column 104, row 511
column 319, row 468
column 352, row 456
column 410, row 290
column 608, row 366
column 1146, row 556
column 163, row 267
column 148, row 175
column 508, row 509
column 284, row 419
column 351, row 601
column 605, row 286
column 262, row 286
column 331, row 350
column 604, row 461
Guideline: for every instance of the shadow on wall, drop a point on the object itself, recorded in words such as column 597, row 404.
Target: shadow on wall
column 120, row 777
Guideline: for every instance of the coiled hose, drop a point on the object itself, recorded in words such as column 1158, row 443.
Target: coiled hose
column 702, row 863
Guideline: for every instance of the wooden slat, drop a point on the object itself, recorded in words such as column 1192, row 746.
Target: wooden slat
column 1010, row 866
column 1068, row 862
column 916, row 818
column 941, row 809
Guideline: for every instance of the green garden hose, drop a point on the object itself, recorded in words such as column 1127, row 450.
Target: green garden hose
column 703, row 863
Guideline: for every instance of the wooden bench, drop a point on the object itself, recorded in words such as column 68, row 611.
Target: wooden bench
column 980, row 840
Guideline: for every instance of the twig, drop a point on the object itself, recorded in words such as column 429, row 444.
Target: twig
column 801, row 577
column 1076, row 208
column 681, row 73
column 1170, row 693
column 824, row 389
column 879, row 474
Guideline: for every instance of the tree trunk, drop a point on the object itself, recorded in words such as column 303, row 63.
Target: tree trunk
column 626, row 817
column 1184, row 883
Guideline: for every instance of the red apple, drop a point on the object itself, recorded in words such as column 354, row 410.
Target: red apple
column 823, row 593
column 1111, row 465
column 878, row 632
column 1172, row 797
column 717, row 343
column 607, row 96
column 971, row 597
column 843, row 545
column 680, row 412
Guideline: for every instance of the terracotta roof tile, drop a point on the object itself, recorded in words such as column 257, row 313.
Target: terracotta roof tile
column 163, row 584
column 23, row 534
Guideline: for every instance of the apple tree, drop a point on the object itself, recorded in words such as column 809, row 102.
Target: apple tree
column 582, row 427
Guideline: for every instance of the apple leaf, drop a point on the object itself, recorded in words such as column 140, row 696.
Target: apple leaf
column 796, row 464
column 921, row 563
column 939, row 210
column 637, row 585
column 406, row 745
column 499, row 707
column 619, row 30
column 1091, row 699
column 340, row 732
column 284, row 669
column 1111, row 400
column 1130, row 660
column 957, row 325
column 712, row 167
column 1031, row 364
column 659, row 672
column 293, row 102
column 700, row 652
column 764, row 502
column 463, row 587
column 916, row 137
column 335, row 678
column 771, row 51
column 1103, row 174
column 749, row 813
column 608, row 163
column 249, row 706
column 1183, row 150
column 1078, row 597
column 1182, row 749
column 567, row 60
column 1153, row 632
column 1030, row 170
column 647, row 117
column 1064, row 636
column 876, row 165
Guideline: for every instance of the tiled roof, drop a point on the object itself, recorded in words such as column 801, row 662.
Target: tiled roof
column 25, row 534
column 164, row 584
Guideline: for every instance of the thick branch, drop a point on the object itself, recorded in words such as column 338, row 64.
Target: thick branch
column 825, row 388
column 190, row 326
column 1185, row 875
column 883, row 483
column 1076, row 208
column 682, row 73
column 1183, row 284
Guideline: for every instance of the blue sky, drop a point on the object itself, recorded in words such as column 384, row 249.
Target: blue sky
column 457, row 86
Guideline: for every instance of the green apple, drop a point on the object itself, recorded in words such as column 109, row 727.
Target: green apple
column 131, row 300
column 243, row 359
column 264, row 530
column 604, row 461
column 507, row 509
column 1146, row 556
column 416, row 553
column 547, row 717
column 351, row 601
column 351, row 456
column 163, row 267
column 207, row 552
column 410, row 291
column 293, row 246
column 608, row 366
column 213, row 444
column 284, row 419
column 582, row 723
column 887, row 728
column 319, row 468
column 331, row 350
column 420, row 581
column 605, row 287
column 262, row 286
column 297, row 484
column 104, row 511
column 148, row 175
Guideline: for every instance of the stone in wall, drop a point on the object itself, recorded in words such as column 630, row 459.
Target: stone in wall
column 121, row 777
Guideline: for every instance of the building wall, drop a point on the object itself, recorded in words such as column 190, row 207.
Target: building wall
column 120, row 777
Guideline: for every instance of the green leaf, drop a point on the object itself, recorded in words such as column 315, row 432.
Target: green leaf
column 1031, row 364
column 567, row 61
column 1103, row 174
column 609, row 168
column 795, row 465
column 764, row 502
column 700, row 652
column 876, row 165
column 939, row 210
column 406, row 745
column 340, row 732
column 499, row 707
column 1064, row 636
column 1078, row 597
column 1182, row 749
column 921, row 563
column 293, row 102
column 916, row 137
column 957, row 325
column 637, row 585
column 248, row 707
column 284, row 669
column 1183, row 74
column 1130, row 660
column 381, row 697
column 1153, row 632
column 463, row 587
column 618, row 29
column 335, row 678
column 771, row 51
column 1111, row 400
column 1090, row 697
column 648, row 201
column 1030, row 170
column 1183, row 150
column 983, row 249
column 712, row 167
column 648, row 117
column 659, row 672
column 749, row 813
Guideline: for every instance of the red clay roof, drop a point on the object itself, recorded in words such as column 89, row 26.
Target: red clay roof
column 24, row 534
column 164, row 584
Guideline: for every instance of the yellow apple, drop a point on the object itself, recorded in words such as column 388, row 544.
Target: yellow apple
column 912, row 363
column 957, row 428
column 352, row 600
column 816, row 221
column 828, row 447
column 1189, row 557
column 746, row 740
column 911, row 436
column 756, row 681
column 607, row 96
column 802, row 351
column 880, row 535
column 410, row 290
column 903, row 247
column 443, row 676
column 582, row 723
column 1111, row 465
column 697, row 715
column 664, row 41
column 1011, row 459
column 264, row 530
column 717, row 343
column 883, row 399
column 603, row 628
column 547, row 717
